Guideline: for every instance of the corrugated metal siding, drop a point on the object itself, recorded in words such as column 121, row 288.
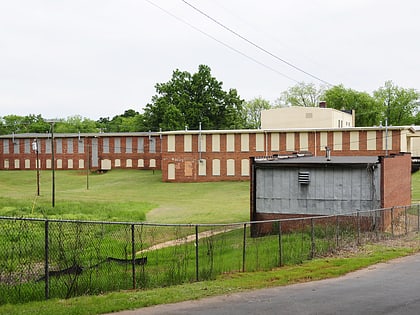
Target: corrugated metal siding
column 330, row 191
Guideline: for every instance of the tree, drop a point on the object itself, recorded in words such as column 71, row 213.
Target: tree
column 302, row 94
column 366, row 110
column 252, row 110
column 130, row 121
column 190, row 99
column 22, row 124
column 398, row 105
column 75, row 124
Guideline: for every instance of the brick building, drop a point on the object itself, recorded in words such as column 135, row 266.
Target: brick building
column 194, row 155
column 96, row 151
column 191, row 156
column 290, row 187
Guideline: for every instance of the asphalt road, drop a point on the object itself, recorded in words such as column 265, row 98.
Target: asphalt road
column 387, row 288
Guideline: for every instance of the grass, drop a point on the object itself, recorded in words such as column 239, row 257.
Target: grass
column 415, row 187
column 316, row 269
column 122, row 195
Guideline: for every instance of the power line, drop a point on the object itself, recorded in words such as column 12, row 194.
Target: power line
column 256, row 45
column 222, row 43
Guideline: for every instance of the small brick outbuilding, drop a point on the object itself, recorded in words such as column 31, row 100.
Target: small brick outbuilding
column 293, row 186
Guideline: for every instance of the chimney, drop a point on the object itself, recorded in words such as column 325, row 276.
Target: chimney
column 322, row 104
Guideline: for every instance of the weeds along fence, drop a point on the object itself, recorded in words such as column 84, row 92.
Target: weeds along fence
column 42, row 259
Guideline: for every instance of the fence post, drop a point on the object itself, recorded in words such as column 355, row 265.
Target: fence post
column 358, row 227
column 406, row 219
column 133, row 256
column 392, row 221
column 418, row 217
column 46, row 266
column 337, row 234
column 312, row 239
column 196, row 252
column 280, row 247
column 244, row 249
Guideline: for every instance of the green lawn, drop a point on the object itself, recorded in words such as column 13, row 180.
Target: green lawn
column 122, row 195
column 127, row 195
column 415, row 187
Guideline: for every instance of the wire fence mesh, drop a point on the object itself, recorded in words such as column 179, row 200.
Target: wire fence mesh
column 42, row 259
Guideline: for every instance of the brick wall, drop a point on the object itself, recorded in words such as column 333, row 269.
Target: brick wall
column 396, row 180
column 186, row 164
column 67, row 156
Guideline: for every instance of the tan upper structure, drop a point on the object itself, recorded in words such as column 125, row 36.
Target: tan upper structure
column 305, row 117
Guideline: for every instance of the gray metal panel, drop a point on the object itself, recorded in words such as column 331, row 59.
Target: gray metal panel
column 331, row 190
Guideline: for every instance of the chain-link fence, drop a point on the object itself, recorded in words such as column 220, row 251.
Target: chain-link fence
column 41, row 259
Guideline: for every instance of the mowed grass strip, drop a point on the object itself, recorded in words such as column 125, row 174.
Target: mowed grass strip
column 122, row 195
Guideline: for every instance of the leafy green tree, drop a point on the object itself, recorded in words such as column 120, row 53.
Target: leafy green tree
column 103, row 124
column 252, row 110
column 188, row 99
column 365, row 106
column 74, row 124
column 398, row 105
column 23, row 124
column 130, row 121
column 302, row 94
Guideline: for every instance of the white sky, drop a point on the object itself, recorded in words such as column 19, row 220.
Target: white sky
column 98, row 58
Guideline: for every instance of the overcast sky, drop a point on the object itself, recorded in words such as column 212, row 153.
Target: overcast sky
column 98, row 58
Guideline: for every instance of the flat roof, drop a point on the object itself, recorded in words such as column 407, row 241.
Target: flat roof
column 334, row 160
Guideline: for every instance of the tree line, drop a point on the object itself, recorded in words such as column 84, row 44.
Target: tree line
column 198, row 100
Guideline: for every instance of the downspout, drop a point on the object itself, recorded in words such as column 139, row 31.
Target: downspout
column 266, row 142
column 199, row 143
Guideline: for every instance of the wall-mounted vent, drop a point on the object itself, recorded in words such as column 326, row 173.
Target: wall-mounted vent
column 304, row 178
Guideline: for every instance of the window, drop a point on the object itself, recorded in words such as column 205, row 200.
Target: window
column 59, row 144
column 16, row 146
column 230, row 165
column 6, row 146
column 105, row 143
column 187, row 143
column 81, row 146
column 230, row 143
column 48, row 146
column 152, row 145
column 117, row 145
column 216, row 167
column 128, row 145
column 27, row 146
column 69, row 145
column 202, row 167
column 215, row 143
column 140, row 145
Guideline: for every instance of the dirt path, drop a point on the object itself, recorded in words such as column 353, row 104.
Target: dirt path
column 186, row 239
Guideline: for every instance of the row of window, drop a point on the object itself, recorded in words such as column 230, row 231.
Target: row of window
column 215, row 168
column 261, row 142
column 30, row 146
column 80, row 164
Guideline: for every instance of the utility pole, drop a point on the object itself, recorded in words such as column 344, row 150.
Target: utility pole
column 52, row 122
column 88, row 163
column 35, row 147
